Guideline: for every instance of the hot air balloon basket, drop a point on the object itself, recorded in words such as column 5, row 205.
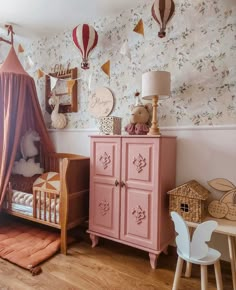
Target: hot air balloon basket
column 110, row 125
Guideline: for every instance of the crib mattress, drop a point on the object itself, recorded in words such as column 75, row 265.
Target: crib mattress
column 22, row 202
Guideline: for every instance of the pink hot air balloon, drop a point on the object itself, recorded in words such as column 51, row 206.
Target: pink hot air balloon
column 85, row 38
column 162, row 11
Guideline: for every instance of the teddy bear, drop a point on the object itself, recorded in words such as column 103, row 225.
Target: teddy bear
column 139, row 120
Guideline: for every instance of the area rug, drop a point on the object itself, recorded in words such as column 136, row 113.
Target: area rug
column 27, row 245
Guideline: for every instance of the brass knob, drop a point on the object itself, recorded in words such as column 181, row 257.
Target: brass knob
column 116, row 182
column 122, row 183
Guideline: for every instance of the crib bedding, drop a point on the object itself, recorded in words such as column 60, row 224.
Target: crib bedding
column 22, row 183
column 22, row 202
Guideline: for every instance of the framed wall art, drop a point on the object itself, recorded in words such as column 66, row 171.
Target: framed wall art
column 68, row 98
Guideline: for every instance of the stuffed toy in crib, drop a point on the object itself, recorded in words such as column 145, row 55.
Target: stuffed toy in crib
column 26, row 166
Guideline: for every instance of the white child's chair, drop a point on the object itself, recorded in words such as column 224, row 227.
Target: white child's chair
column 196, row 251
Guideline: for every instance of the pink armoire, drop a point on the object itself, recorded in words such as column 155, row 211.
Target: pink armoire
column 129, row 180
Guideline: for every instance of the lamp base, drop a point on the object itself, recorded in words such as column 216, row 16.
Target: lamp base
column 154, row 131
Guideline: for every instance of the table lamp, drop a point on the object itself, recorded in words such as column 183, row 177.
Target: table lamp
column 155, row 85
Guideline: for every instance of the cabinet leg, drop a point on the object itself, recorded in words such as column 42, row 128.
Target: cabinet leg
column 94, row 240
column 165, row 250
column 153, row 260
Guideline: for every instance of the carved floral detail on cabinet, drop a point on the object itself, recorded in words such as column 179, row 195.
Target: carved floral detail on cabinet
column 104, row 207
column 139, row 214
column 105, row 160
column 139, row 162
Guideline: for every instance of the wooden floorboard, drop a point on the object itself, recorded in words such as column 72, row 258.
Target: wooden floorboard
column 109, row 266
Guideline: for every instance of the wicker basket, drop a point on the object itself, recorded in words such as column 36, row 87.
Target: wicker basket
column 189, row 200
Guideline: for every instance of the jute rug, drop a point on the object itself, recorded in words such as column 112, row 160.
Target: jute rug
column 27, row 245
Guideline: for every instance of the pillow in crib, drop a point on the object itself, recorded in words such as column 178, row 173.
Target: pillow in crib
column 27, row 168
column 48, row 181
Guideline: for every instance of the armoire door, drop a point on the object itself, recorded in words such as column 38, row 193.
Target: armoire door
column 139, row 193
column 104, row 186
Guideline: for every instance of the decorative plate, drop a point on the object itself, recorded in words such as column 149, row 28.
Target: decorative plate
column 101, row 103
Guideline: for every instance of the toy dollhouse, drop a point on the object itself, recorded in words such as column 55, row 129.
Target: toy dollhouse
column 188, row 200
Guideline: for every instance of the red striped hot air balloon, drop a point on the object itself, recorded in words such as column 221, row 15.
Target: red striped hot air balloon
column 85, row 38
column 162, row 11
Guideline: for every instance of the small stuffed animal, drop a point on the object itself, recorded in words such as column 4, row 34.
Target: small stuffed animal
column 27, row 146
column 139, row 120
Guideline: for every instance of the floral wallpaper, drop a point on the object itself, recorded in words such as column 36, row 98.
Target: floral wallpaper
column 199, row 50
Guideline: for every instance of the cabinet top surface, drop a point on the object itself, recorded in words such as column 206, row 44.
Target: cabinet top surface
column 132, row 136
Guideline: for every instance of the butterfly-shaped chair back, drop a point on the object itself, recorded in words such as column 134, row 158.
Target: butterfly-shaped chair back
column 197, row 247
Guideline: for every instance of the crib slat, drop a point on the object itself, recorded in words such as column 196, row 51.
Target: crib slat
column 9, row 197
column 49, row 209
column 55, row 212
column 45, row 206
column 40, row 205
column 35, row 203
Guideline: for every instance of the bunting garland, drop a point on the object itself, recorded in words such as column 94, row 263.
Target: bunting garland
column 106, row 68
column 53, row 82
column 20, row 48
column 70, row 84
column 40, row 73
column 124, row 50
column 31, row 63
column 139, row 27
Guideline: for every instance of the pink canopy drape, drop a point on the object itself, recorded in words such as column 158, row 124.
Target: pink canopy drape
column 19, row 112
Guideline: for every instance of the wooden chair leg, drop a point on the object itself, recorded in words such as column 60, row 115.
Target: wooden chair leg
column 188, row 270
column 232, row 259
column 204, row 281
column 178, row 273
column 219, row 283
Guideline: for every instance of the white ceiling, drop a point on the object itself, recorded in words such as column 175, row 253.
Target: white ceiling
column 36, row 18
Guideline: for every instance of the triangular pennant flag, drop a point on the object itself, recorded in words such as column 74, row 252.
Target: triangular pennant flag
column 139, row 27
column 106, row 68
column 30, row 62
column 53, row 82
column 124, row 50
column 40, row 73
column 20, row 48
column 70, row 84
column 27, row 66
column 90, row 81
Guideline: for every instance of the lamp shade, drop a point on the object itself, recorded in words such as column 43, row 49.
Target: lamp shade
column 155, row 83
